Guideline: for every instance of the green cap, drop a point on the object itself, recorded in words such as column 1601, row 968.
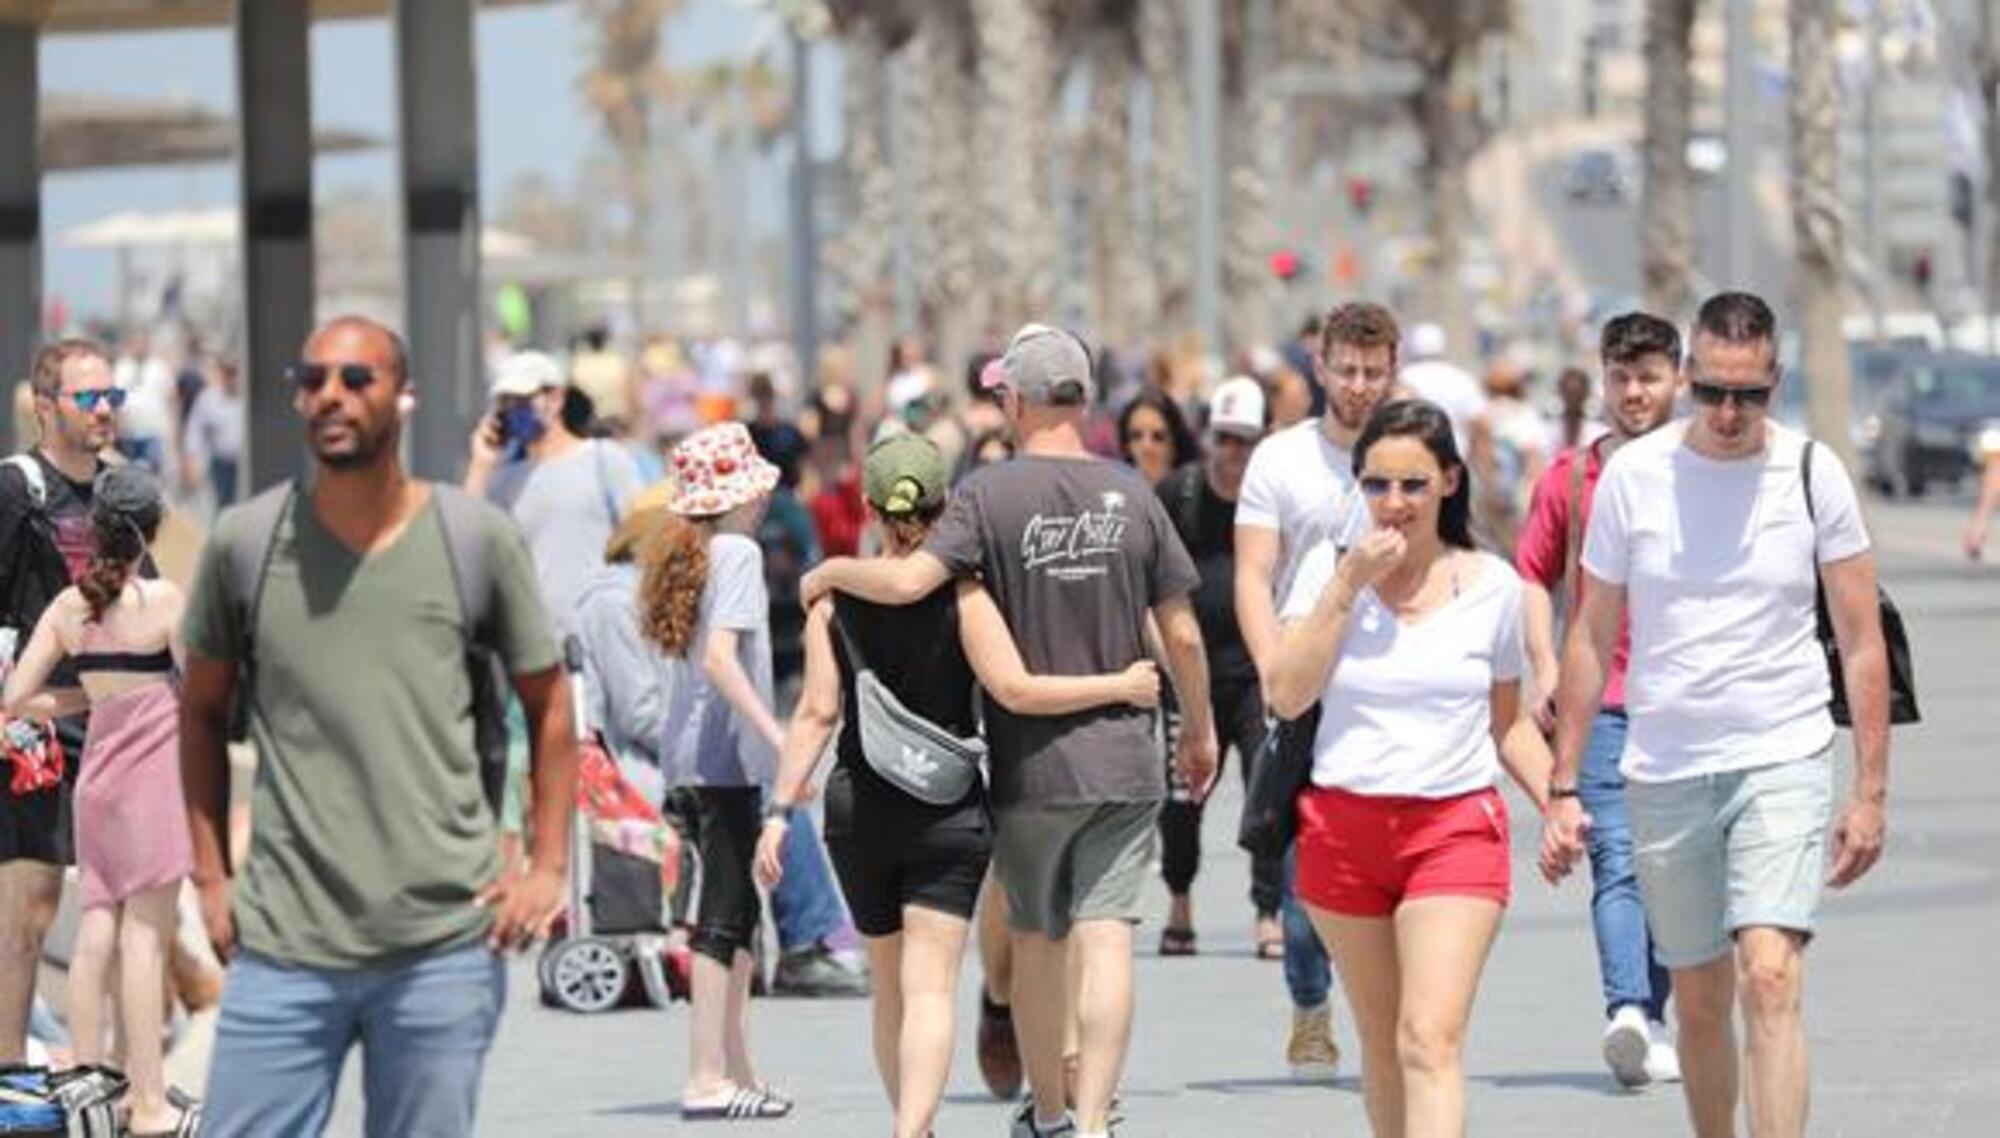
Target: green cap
column 904, row 474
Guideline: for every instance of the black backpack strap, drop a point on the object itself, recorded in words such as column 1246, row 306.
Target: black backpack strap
column 253, row 539
column 459, row 515
column 1805, row 476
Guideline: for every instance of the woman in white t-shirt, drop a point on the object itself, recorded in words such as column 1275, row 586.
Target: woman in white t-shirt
column 1410, row 642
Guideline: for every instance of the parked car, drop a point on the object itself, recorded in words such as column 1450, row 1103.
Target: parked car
column 1927, row 424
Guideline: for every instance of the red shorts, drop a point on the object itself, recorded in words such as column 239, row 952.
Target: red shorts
column 1362, row 855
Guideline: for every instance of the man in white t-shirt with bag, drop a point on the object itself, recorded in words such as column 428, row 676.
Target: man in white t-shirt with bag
column 1298, row 493
column 1704, row 530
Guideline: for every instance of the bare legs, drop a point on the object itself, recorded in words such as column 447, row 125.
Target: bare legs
column 718, row 1029
column 916, row 982
column 29, row 891
column 1411, row 979
column 145, row 928
column 1766, row 975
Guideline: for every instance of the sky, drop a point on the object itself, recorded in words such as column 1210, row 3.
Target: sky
column 531, row 116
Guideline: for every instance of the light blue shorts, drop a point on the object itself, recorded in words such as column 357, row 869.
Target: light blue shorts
column 1721, row 852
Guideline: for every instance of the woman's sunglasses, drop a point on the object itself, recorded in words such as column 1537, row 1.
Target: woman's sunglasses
column 88, row 401
column 1414, row 487
column 1716, row 394
column 311, row 377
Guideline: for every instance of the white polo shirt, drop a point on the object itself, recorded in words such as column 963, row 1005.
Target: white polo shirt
column 1718, row 559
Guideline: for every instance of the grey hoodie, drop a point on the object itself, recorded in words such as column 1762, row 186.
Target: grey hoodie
column 629, row 683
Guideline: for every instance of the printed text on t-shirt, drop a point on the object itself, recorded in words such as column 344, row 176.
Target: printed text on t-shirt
column 1069, row 543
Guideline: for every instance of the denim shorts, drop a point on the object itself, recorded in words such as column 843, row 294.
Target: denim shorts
column 1717, row 853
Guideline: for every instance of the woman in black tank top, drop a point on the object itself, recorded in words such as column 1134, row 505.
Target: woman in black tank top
column 910, row 870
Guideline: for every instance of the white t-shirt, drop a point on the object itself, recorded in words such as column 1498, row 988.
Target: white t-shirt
column 1409, row 708
column 1452, row 388
column 1301, row 485
column 1717, row 560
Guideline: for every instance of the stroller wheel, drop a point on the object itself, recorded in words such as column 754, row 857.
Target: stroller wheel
column 586, row 975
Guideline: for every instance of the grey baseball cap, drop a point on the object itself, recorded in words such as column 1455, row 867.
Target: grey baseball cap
column 1048, row 365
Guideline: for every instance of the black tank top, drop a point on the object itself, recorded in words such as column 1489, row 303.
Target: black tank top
column 914, row 650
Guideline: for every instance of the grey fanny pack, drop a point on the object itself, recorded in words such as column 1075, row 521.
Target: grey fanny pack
column 913, row 754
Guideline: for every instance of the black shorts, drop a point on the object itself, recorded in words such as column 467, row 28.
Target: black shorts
column 37, row 827
column 882, row 870
column 723, row 823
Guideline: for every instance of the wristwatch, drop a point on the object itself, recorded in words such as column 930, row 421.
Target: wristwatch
column 777, row 812
column 1556, row 792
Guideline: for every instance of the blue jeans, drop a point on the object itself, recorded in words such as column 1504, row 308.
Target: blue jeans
column 806, row 905
column 1626, row 964
column 424, row 1027
column 1308, row 972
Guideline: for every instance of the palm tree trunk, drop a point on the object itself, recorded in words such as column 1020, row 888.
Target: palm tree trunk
column 1116, row 264
column 1016, row 131
column 1251, row 148
column 862, row 255
column 1442, row 123
column 942, row 121
column 1163, row 52
column 1666, row 207
column 1816, row 222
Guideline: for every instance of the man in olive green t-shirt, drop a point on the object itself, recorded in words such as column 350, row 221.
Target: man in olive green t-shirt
column 372, row 900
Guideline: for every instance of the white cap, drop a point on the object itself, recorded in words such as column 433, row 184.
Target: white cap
column 908, row 387
column 1237, row 408
column 1427, row 342
column 526, row 373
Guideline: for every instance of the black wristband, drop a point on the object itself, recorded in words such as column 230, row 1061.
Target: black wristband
column 1556, row 792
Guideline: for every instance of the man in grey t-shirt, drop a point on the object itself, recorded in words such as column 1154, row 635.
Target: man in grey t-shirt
column 566, row 493
column 1078, row 552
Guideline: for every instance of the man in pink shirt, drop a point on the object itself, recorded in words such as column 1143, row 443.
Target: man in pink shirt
column 1641, row 357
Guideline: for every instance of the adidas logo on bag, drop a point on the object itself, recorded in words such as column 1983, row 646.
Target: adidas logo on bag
column 918, row 763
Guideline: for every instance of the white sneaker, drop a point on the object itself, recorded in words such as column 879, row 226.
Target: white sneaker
column 1627, row 1044
column 1663, row 1061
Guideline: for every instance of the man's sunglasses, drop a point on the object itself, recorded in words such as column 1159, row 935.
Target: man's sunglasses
column 1414, row 487
column 1716, row 394
column 311, row 377
column 88, row 401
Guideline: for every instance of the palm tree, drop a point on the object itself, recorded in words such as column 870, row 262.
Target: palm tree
column 1251, row 153
column 624, row 83
column 1119, row 299
column 1163, row 55
column 1816, row 222
column 1666, row 204
column 941, row 120
column 1016, row 131
column 862, row 255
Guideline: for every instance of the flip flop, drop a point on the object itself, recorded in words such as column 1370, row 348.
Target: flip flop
column 745, row 1104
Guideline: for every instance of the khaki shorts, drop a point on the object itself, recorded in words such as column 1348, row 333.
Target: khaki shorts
column 1064, row 864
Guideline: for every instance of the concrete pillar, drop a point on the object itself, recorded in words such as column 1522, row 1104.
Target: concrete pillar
column 20, row 216
column 437, row 104
column 274, row 94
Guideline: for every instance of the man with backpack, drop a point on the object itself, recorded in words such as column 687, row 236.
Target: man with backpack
column 1200, row 498
column 45, row 497
column 360, row 620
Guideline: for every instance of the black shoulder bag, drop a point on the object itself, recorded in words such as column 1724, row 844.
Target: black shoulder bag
column 1902, row 674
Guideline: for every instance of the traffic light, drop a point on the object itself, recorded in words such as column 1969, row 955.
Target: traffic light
column 1360, row 195
column 1286, row 265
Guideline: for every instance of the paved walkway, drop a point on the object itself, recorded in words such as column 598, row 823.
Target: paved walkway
column 1902, row 1015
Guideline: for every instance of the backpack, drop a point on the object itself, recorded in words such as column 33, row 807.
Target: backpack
column 19, row 607
column 1895, row 640
column 248, row 559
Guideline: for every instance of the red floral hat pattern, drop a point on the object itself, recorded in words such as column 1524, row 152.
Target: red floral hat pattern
column 718, row 469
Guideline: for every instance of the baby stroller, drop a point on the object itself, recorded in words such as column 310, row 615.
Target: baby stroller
column 625, row 864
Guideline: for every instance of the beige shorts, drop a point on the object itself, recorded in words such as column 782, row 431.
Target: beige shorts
column 1064, row 864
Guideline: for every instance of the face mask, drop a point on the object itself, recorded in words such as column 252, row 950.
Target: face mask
column 521, row 426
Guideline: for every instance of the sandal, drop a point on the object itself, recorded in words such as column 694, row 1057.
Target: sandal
column 1176, row 942
column 745, row 1104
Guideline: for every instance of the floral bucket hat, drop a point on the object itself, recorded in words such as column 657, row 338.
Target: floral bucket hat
column 718, row 469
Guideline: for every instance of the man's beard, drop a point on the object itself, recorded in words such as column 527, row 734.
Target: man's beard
column 368, row 450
